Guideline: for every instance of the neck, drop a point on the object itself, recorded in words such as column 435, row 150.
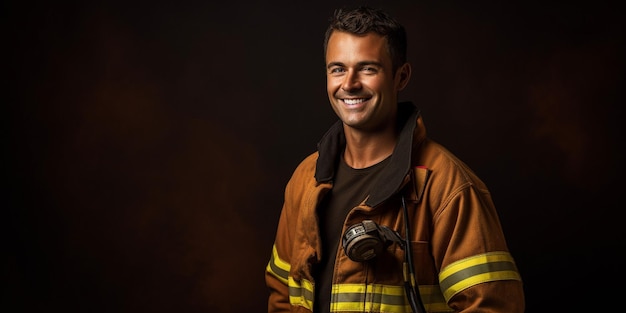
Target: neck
column 366, row 149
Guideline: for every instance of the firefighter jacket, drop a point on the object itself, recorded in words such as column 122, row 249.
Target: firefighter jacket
column 461, row 261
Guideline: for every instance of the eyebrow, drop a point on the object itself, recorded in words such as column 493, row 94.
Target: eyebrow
column 359, row 64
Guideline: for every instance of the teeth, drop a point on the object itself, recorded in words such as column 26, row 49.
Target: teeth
column 353, row 101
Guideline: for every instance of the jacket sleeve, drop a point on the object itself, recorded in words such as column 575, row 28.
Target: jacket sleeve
column 277, row 285
column 496, row 296
column 477, row 272
column 283, row 263
column 279, row 266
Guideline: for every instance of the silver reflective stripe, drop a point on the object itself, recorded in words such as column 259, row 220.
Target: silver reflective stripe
column 383, row 298
column 477, row 269
column 278, row 267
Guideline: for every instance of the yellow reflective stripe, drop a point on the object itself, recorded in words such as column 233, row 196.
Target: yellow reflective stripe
column 278, row 267
column 376, row 298
column 477, row 269
column 433, row 299
column 301, row 293
column 383, row 298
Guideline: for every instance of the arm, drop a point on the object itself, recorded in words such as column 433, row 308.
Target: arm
column 477, row 272
column 278, row 268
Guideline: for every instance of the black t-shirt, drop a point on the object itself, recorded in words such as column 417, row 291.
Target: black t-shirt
column 350, row 187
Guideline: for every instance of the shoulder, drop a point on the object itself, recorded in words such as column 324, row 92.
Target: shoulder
column 304, row 172
column 307, row 165
column 446, row 166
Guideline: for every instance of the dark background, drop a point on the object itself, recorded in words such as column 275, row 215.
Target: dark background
column 149, row 142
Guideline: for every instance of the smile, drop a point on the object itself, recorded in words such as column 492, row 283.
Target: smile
column 353, row 101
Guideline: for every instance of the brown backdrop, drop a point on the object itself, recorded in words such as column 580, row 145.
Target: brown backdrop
column 149, row 142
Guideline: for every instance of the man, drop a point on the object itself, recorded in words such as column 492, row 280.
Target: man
column 381, row 218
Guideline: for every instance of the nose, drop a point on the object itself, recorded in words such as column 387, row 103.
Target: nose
column 351, row 81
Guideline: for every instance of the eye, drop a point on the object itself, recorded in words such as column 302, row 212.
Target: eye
column 336, row 70
column 369, row 69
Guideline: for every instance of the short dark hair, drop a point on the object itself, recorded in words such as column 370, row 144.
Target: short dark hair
column 363, row 20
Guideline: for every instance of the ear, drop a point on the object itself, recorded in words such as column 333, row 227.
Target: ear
column 403, row 75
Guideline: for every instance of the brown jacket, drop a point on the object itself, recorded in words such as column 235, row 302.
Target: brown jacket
column 460, row 256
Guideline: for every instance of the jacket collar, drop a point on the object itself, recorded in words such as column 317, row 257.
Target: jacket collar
column 334, row 141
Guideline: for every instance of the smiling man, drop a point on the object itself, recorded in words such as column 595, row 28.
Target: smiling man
column 381, row 218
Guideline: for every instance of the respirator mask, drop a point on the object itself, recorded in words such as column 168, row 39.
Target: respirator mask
column 365, row 240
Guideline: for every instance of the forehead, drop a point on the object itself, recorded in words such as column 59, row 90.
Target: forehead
column 343, row 47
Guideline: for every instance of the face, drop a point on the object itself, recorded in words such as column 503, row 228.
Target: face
column 361, row 86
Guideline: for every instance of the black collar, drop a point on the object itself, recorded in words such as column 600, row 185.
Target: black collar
column 334, row 141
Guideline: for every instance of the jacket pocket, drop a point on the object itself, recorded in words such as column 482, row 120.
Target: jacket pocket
column 423, row 263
